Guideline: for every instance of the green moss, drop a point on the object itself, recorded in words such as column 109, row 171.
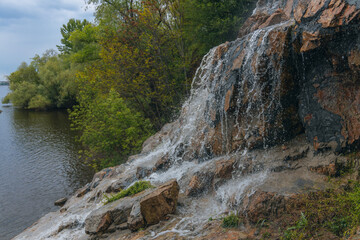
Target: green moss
column 132, row 190
column 230, row 221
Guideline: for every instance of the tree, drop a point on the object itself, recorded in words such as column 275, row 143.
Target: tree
column 209, row 23
column 67, row 30
column 111, row 131
column 84, row 42
column 48, row 82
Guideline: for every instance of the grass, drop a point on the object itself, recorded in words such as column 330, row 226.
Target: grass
column 296, row 232
column 230, row 221
column 334, row 211
column 132, row 190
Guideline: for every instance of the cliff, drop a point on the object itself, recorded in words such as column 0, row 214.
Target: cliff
column 268, row 119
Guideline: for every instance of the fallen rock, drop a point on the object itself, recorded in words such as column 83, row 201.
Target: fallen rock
column 61, row 202
column 163, row 163
column 156, row 205
column 84, row 190
column 328, row 170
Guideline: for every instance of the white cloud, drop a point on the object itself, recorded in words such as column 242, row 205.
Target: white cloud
column 29, row 27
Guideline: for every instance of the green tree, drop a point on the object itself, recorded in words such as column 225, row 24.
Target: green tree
column 66, row 31
column 111, row 131
column 84, row 42
column 23, row 84
column 209, row 23
column 48, row 82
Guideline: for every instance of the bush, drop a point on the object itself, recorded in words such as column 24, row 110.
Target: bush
column 132, row 190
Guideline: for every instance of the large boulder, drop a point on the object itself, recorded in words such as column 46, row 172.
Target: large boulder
column 156, row 205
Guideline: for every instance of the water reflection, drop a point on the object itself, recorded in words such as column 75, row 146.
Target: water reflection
column 38, row 164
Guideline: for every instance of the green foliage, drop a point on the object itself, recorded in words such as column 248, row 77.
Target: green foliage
column 132, row 190
column 230, row 221
column 266, row 235
column 39, row 102
column 209, row 23
column 111, row 131
column 66, row 32
column 48, row 82
column 84, row 42
column 150, row 49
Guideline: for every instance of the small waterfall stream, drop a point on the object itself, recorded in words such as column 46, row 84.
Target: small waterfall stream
column 257, row 104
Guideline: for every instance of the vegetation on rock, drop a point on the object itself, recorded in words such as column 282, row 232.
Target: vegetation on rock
column 230, row 221
column 132, row 190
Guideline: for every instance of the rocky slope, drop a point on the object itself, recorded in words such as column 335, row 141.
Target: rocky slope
column 268, row 118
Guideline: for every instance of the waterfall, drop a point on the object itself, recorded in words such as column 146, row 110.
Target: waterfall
column 244, row 71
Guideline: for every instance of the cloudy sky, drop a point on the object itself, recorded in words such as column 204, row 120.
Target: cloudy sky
column 29, row 27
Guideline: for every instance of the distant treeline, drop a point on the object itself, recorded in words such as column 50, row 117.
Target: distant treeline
column 125, row 75
column 4, row 83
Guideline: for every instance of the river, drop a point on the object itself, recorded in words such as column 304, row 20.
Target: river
column 38, row 165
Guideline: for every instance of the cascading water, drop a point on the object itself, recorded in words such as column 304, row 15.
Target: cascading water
column 257, row 104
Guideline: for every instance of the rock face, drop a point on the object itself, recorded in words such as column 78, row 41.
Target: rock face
column 330, row 87
column 293, row 69
column 296, row 65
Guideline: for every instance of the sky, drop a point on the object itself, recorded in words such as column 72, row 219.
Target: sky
column 29, row 27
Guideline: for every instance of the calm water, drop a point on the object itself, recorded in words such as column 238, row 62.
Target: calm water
column 38, row 165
